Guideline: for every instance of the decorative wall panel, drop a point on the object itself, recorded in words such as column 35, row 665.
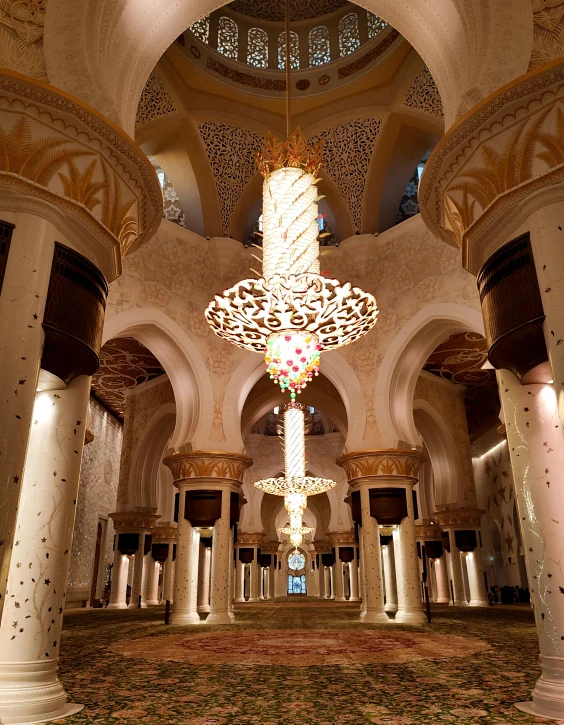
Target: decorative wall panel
column 230, row 152
column 548, row 31
column 21, row 37
column 124, row 364
column 274, row 9
column 347, row 153
column 423, row 94
column 155, row 101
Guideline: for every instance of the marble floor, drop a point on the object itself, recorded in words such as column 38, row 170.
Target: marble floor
column 298, row 663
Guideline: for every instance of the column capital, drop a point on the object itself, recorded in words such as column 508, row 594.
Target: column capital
column 134, row 520
column 202, row 465
column 168, row 533
column 76, row 168
column 388, row 462
column 467, row 517
column 342, row 537
column 253, row 538
column 428, row 531
column 269, row 547
column 322, row 546
column 518, row 125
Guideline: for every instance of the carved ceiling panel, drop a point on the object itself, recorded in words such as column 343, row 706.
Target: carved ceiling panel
column 460, row 359
column 347, row 150
column 124, row 364
column 423, row 94
column 274, row 10
column 155, row 101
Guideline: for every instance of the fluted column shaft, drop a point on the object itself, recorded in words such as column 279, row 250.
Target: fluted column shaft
column 373, row 580
column 390, row 577
column 455, row 572
column 353, row 573
column 153, row 572
column 118, row 591
column 338, row 577
column 221, row 566
column 204, row 573
column 441, row 576
column 255, row 578
column 410, row 606
column 239, row 580
column 185, row 607
column 137, row 586
column 168, row 576
column 476, row 582
column 327, row 581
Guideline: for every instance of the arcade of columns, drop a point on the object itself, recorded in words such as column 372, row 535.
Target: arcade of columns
column 63, row 236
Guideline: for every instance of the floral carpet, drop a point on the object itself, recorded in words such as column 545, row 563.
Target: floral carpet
column 300, row 663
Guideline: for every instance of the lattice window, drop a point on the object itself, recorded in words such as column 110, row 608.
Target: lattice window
column 230, row 152
column 201, row 29
column 319, row 46
column 424, row 95
column 347, row 153
column 300, row 9
column 375, row 24
column 257, row 48
column 349, row 36
column 155, row 101
column 228, row 38
column 294, row 50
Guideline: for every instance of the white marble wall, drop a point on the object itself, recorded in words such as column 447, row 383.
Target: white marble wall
column 96, row 499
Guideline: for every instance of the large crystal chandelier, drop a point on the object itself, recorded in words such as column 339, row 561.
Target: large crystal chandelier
column 291, row 314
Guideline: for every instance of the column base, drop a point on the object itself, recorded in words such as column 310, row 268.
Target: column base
column 204, row 608
column 478, row 603
column 239, row 601
column 117, row 605
column 179, row 619
column 219, row 618
column 136, row 606
column 462, row 603
column 31, row 692
column 374, row 618
column 340, row 599
column 442, row 600
column 415, row 616
column 391, row 607
column 548, row 692
column 354, row 599
column 152, row 603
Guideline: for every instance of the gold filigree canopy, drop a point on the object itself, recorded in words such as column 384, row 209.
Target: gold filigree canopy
column 293, row 153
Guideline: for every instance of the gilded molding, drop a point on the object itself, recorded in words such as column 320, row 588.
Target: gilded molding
column 508, row 147
column 133, row 520
column 322, row 547
column 428, row 531
column 253, row 538
column 165, row 532
column 384, row 462
column 342, row 537
column 267, row 546
column 450, row 517
column 202, row 464
column 57, row 148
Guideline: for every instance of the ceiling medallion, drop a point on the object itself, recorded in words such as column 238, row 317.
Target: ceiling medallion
column 291, row 314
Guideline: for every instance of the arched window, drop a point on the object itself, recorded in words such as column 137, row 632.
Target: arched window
column 349, row 38
column 228, row 38
column 257, row 48
column 294, row 50
column 319, row 47
column 375, row 25
column 201, row 29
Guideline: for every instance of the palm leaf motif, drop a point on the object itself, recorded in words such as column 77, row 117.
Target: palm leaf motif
column 116, row 214
column 505, row 169
column 460, row 214
column 36, row 160
column 553, row 143
column 79, row 185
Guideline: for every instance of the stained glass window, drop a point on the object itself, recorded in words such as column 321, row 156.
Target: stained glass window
column 297, row 584
column 294, row 50
column 296, row 561
column 375, row 25
column 201, row 29
column 228, row 38
column 349, row 38
column 257, row 48
column 319, row 47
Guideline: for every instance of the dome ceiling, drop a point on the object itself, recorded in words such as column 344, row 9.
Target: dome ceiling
column 274, row 10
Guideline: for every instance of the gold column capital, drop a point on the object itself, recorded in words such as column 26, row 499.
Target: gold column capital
column 461, row 516
column 381, row 462
column 218, row 466
column 134, row 520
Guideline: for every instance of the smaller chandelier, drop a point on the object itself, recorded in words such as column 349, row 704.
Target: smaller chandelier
column 295, row 533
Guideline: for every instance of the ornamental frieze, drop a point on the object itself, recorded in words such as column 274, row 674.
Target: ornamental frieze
column 387, row 462
column 266, row 546
column 226, row 466
column 251, row 538
column 133, row 520
column 165, row 532
column 428, row 531
column 322, row 547
column 342, row 537
column 449, row 517
column 495, row 163
column 55, row 149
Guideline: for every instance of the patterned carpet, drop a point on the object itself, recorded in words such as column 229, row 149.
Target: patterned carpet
column 296, row 664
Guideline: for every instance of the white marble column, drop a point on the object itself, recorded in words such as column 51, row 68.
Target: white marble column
column 321, row 579
column 153, row 573
column 22, row 305
column 168, row 576
column 338, row 577
column 30, row 630
column 441, row 577
column 390, row 577
column 536, row 447
column 239, row 580
column 221, row 564
column 261, row 583
column 137, row 586
column 410, row 607
column 204, row 573
column 373, row 583
column 327, row 581
column 254, row 584
column 455, row 571
column 185, row 607
column 118, row 591
column 361, row 575
column 475, row 568
column 271, row 577
column 353, row 574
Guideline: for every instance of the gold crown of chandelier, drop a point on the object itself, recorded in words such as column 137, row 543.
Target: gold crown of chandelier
column 295, row 153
